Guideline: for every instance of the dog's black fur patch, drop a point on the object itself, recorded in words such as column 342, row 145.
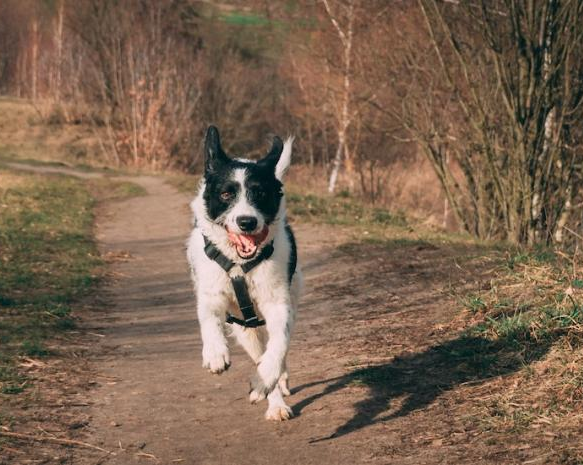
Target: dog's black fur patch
column 264, row 190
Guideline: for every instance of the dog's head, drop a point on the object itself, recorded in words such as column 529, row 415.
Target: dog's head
column 244, row 196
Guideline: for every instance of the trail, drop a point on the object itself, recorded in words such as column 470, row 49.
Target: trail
column 154, row 397
column 375, row 378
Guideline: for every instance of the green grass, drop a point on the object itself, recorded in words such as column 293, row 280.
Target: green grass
column 107, row 189
column 377, row 226
column 340, row 209
column 186, row 183
column 474, row 303
column 534, row 299
column 537, row 255
column 48, row 261
column 244, row 19
column 539, row 326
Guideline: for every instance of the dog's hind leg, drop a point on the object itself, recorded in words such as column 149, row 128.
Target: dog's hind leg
column 251, row 340
column 271, row 366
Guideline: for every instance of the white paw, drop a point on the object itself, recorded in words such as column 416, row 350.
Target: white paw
column 216, row 359
column 279, row 413
column 255, row 397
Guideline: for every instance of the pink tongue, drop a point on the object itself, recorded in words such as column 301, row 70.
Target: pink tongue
column 247, row 243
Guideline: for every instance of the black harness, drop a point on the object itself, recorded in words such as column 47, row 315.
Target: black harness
column 250, row 319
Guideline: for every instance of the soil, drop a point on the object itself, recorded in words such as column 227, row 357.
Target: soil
column 374, row 363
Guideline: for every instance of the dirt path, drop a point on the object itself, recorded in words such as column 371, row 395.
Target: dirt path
column 374, row 377
column 154, row 397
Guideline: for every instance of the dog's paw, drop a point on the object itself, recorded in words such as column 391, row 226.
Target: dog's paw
column 257, row 391
column 279, row 413
column 216, row 360
column 256, row 397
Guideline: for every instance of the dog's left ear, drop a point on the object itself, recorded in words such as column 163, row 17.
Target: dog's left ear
column 214, row 156
column 279, row 156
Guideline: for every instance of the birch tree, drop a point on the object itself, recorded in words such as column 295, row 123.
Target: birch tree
column 344, row 12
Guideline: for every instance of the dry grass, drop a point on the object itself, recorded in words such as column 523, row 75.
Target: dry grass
column 535, row 296
column 534, row 307
column 38, row 132
column 409, row 187
column 11, row 181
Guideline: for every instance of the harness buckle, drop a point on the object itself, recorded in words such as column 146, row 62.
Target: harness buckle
column 252, row 322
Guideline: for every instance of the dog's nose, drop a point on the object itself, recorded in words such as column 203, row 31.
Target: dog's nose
column 247, row 223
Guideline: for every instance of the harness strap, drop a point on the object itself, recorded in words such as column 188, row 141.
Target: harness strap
column 215, row 254
column 265, row 254
column 245, row 304
column 240, row 285
column 293, row 254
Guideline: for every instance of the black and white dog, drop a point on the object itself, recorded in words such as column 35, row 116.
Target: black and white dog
column 243, row 259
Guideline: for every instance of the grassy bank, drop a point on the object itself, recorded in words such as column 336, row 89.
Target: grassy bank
column 33, row 131
column 48, row 262
column 533, row 307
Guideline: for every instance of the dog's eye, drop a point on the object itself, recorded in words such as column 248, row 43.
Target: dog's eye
column 226, row 195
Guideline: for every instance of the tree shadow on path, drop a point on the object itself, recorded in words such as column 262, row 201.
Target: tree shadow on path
column 424, row 376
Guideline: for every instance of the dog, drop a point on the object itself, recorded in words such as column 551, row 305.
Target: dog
column 242, row 254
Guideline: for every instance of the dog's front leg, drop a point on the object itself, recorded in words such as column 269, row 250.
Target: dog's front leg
column 278, row 322
column 211, row 315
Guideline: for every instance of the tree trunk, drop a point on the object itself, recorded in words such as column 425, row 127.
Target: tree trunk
column 59, row 45
column 346, row 38
column 34, row 60
column 336, row 164
column 445, row 200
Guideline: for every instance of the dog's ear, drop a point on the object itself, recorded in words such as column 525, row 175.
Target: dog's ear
column 279, row 156
column 214, row 156
column 285, row 159
column 270, row 160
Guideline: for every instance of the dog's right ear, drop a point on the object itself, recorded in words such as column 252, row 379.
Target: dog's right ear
column 214, row 156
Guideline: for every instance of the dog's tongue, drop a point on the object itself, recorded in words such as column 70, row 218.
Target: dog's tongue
column 247, row 244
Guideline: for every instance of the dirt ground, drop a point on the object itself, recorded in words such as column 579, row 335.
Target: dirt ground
column 376, row 375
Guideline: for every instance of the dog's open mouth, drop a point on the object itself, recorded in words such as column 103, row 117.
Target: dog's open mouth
column 247, row 244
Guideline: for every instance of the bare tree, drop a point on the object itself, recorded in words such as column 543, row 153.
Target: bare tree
column 58, row 65
column 509, row 75
column 34, row 40
column 344, row 12
column 145, row 80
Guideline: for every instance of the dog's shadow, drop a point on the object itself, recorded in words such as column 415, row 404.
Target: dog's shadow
column 422, row 377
